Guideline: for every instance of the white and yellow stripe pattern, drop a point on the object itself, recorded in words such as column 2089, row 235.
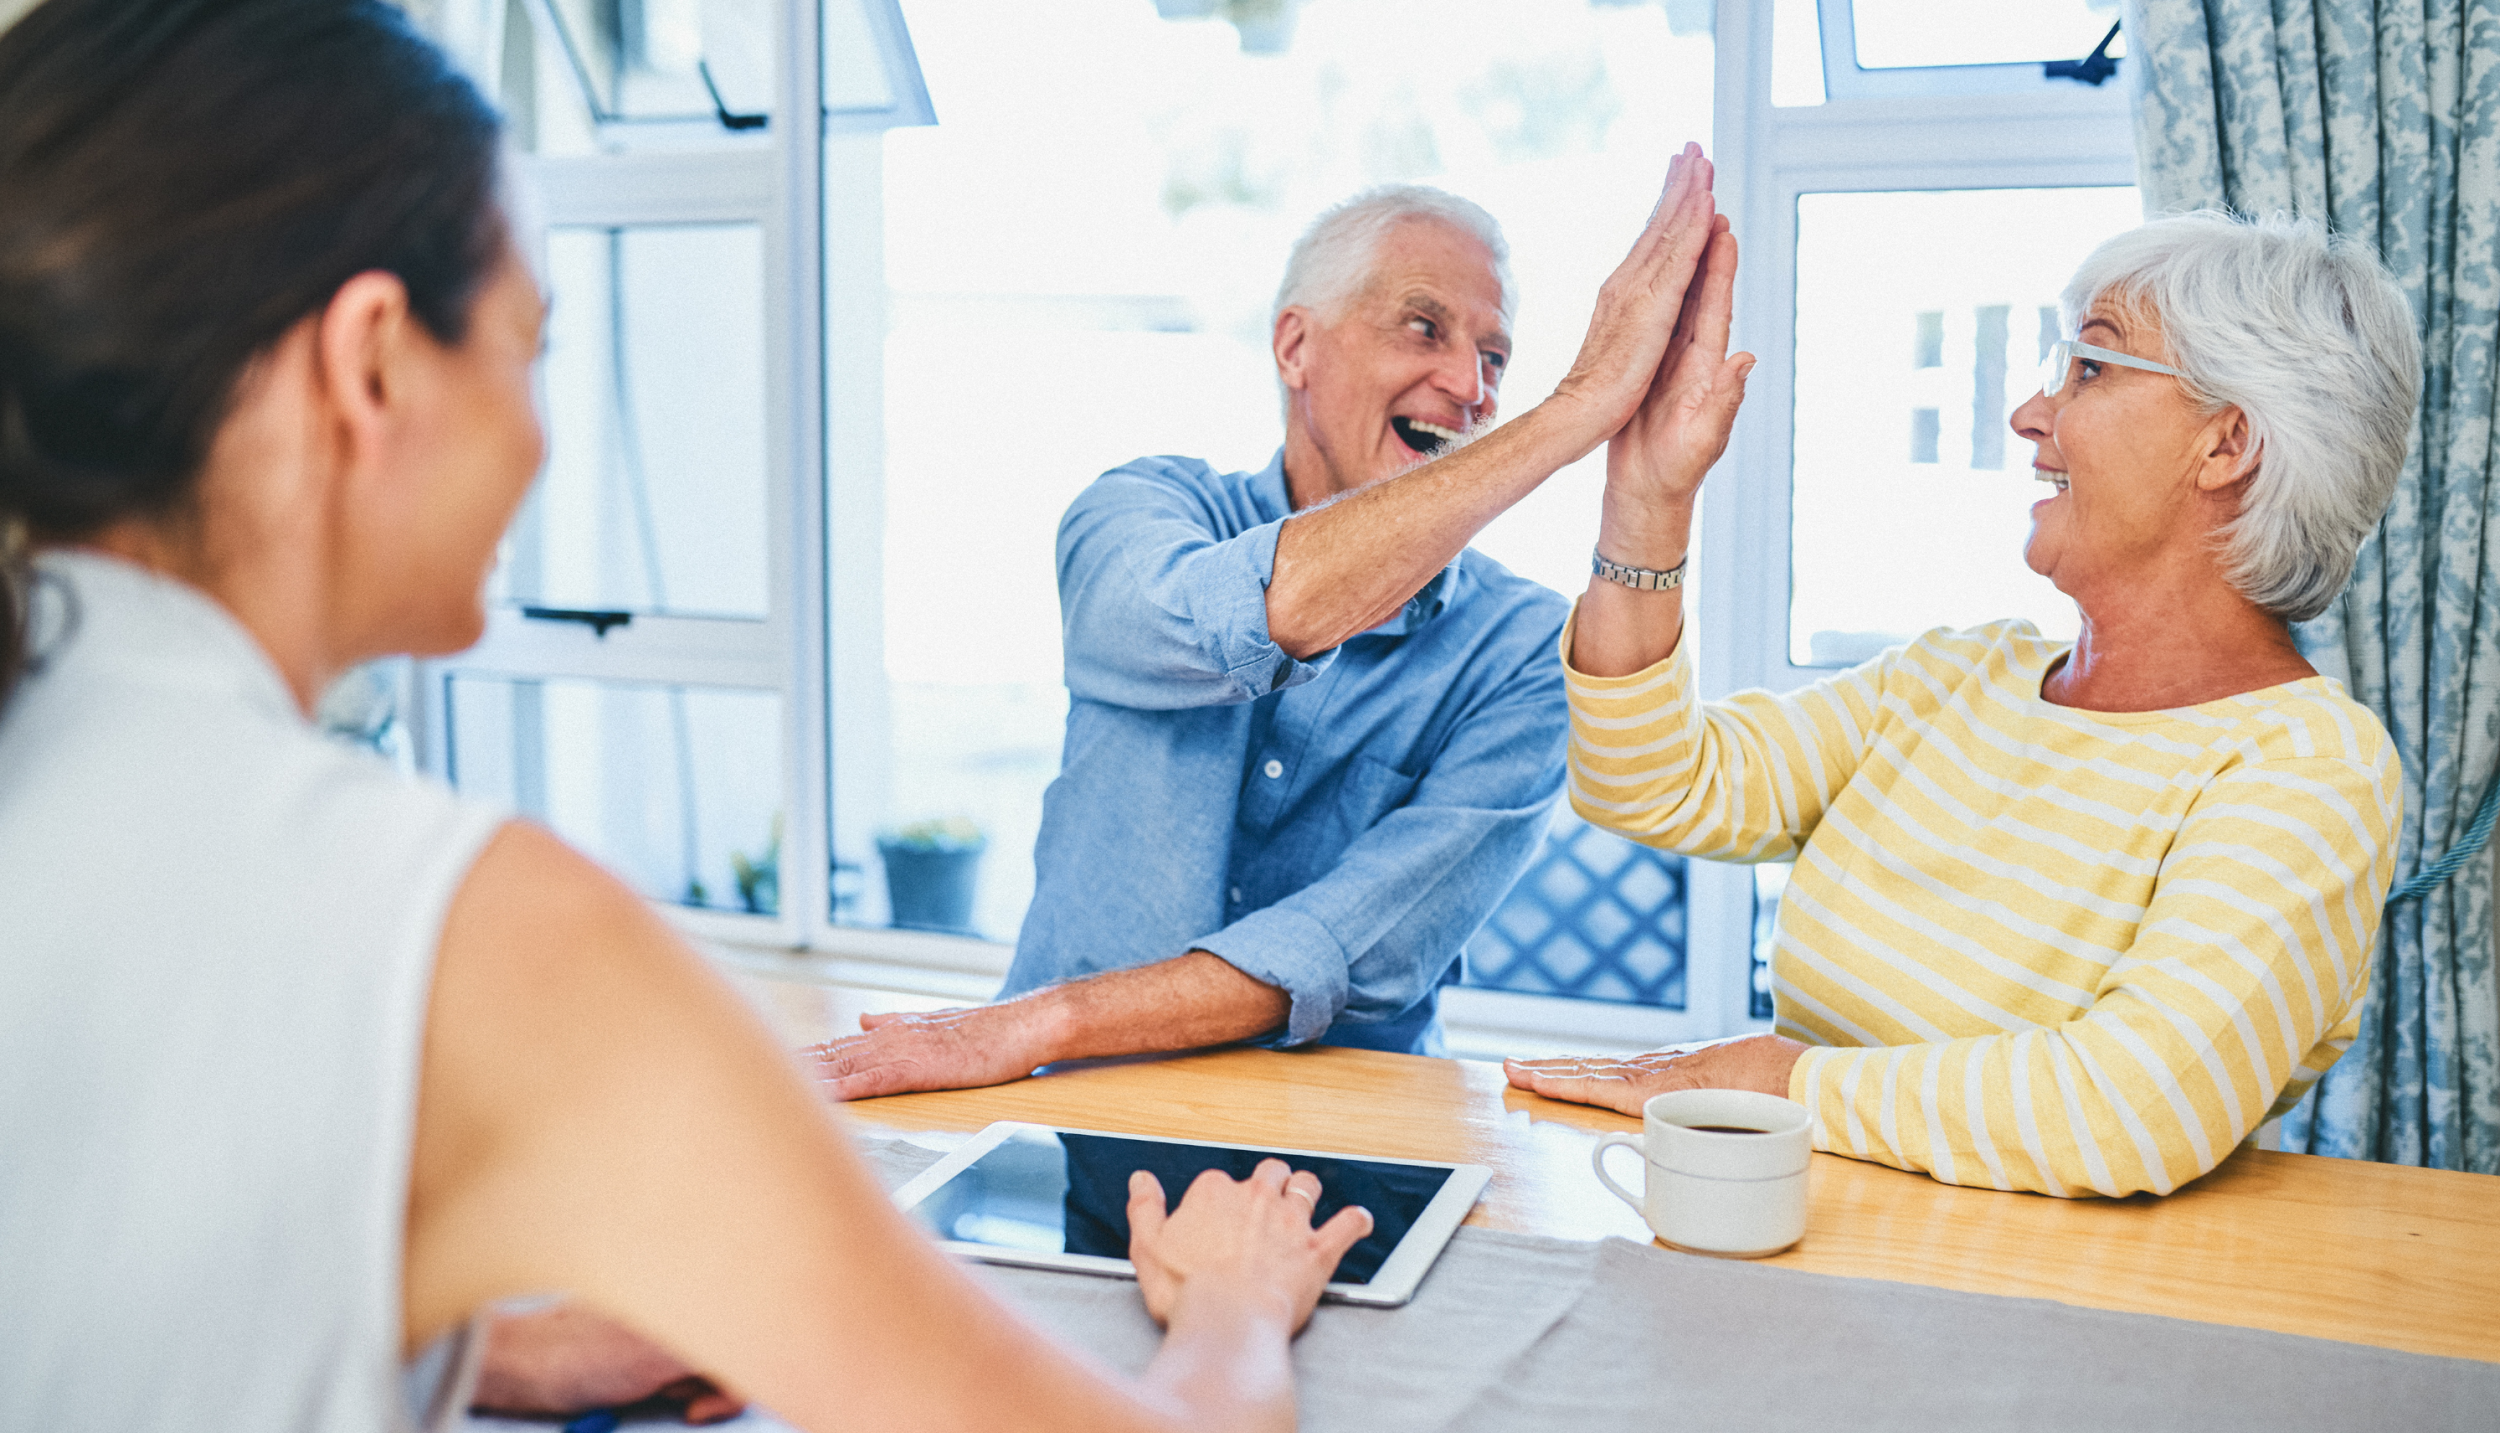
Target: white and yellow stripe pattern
column 2071, row 952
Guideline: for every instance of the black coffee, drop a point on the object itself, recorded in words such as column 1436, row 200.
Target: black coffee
column 1727, row 1129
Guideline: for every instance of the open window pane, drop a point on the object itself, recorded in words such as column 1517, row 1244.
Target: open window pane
column 1921, row 318
column 1898, row 34
column 677, row 789
column 653, row 499
column 581, row 76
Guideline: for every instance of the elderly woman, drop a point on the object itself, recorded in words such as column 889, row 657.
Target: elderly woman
column 2072, row 918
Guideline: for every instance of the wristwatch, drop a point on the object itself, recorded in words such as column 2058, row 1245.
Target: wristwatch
column 1640, row 577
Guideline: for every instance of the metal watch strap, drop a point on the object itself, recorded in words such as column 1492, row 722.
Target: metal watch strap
column 1640, row 577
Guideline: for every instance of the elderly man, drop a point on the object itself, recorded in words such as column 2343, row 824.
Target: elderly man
column 1312, row 739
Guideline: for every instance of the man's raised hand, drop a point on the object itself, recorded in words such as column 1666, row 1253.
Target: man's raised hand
column 1639, row 304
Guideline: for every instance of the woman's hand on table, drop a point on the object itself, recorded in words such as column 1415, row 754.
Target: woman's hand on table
column 1625, row 1083
column 1235, row 1246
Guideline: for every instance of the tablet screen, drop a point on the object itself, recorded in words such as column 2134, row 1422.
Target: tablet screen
column 1050, row 1192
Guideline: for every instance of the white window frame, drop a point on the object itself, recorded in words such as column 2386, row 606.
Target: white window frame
column 775, row 180
column 1845, row 79
column 2055, row 134
column 1946, row 127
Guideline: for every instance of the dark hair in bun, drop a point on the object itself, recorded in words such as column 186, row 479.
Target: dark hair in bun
column 181, row 182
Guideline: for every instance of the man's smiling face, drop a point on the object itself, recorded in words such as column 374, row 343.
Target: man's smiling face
column 1404, row 367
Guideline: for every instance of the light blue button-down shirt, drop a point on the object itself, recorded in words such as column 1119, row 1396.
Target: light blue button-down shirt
column 1336, row 827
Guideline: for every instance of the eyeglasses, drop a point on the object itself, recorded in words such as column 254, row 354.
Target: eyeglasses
column 2060, row 361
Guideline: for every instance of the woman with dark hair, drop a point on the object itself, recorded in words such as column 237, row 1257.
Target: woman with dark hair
column 302, row 1064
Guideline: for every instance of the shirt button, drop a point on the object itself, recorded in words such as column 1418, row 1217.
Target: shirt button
column 1236, row 895
column 1274, row 768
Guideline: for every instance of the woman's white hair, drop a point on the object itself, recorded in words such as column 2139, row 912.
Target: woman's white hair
column 2309, row 336
column 1332, row 261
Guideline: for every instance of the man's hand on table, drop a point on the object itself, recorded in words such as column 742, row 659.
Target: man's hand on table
column 567, row 1360
column 934, row 1050
column 1760, row 1062
column 1189, row 1002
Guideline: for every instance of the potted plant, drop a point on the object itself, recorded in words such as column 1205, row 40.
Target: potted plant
column 759, row 877
column 931, row 871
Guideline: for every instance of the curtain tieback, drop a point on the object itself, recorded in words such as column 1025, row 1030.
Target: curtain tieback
column 2477, row 836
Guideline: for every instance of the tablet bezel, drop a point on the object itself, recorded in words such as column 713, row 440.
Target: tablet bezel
column 1393, row 1285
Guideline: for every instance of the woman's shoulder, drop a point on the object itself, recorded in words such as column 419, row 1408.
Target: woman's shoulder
column 2011, row 650
column 2308, row 720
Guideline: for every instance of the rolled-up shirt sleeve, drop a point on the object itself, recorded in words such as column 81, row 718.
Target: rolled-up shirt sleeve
column 1157, row 611
column 1374, row 935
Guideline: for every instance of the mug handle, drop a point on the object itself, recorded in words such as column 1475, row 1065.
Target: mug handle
column 1597, row 1161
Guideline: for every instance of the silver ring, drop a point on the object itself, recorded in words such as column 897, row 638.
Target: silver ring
column 1305, row 1193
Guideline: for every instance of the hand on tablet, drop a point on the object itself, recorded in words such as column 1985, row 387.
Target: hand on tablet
column 1237, row 1246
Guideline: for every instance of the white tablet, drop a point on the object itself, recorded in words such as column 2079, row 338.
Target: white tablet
column 1058, row 1199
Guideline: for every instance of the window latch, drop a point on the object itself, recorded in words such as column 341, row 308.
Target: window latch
column 2091, row 70
column 729, row 119
column 598, row 621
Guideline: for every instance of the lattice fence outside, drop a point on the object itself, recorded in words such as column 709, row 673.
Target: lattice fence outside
column 1770, row 880
column 1596, row 917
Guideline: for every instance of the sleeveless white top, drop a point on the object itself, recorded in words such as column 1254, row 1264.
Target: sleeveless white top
column 217, row 930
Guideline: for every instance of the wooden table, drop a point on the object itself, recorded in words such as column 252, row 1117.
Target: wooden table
column 2365, row 1253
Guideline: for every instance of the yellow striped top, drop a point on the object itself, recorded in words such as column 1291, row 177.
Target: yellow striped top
column 2037, row 948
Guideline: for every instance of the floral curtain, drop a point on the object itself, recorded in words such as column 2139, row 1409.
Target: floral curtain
column 2382, row 118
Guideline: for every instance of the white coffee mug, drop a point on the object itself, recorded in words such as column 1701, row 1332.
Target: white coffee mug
column 1726, row 1170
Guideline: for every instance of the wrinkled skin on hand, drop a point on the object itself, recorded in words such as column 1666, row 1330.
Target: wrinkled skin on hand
column 568, row 1360
column 1251, row 1238
column 1625, row 1083
column 936, row 1050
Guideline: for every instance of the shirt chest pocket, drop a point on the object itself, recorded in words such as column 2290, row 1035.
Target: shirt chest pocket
column 1367, row 790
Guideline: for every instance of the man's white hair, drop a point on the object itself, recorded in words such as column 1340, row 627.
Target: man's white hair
column 2309, row 336
column 1332, row 261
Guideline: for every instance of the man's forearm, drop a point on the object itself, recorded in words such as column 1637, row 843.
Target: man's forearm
column 1184, row 1003
column 1347, row 566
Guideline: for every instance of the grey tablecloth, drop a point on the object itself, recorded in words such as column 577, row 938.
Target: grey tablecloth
column 1511, row 1332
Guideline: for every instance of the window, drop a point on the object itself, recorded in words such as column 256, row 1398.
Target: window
column 1912, row 190
column 652, row 656
column 776, row 633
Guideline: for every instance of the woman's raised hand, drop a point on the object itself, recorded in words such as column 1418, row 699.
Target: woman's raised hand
column 1639, row 304
column 1656, row 461
column 1237, row 1247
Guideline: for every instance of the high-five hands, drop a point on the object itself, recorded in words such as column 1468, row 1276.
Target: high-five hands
column 1235, row 1242
column 1640, row 304
column 1658, row 455
column 1656, row 461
